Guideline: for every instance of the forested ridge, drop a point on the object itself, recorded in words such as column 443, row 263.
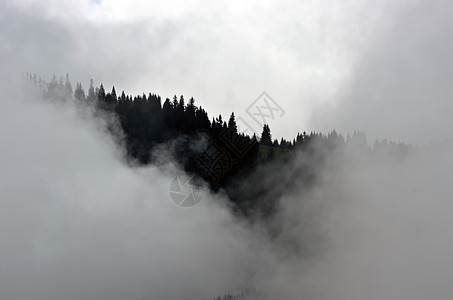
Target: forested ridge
column 225, row 158
column 254, row 172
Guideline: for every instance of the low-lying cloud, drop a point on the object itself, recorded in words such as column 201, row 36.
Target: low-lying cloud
column 385, row 227
column 78, row 223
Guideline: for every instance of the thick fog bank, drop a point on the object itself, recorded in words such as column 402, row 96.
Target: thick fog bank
column 379, row 227
column 77, row 223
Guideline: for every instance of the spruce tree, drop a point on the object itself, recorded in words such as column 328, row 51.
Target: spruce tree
column 67, row 88
column 91, row 97
column 232, row 124
column 101, row 94
column 266, row 138
column 79, row 93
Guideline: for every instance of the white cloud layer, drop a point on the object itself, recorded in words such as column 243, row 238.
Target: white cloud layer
column 224, row 53
column 77, row 223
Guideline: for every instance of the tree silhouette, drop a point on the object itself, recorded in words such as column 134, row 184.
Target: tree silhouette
column 67, row 88
column 266, row 138
column 100, row 95
column 232, row 124
column 79, row 93
column 91, row 97
column 148, row 124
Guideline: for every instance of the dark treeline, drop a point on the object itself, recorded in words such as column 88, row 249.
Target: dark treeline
column 246, row 294
column 211, row 148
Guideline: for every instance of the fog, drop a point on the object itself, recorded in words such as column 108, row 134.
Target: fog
column 79, row 221
column 398, row 87
column 223, row 53
column 345, row 65
column 385, row 226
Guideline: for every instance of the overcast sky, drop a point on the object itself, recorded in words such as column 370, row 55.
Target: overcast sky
column 77, row 223
column 382, row 67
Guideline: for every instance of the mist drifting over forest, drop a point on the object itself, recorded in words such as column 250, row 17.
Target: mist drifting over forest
column 353, row 200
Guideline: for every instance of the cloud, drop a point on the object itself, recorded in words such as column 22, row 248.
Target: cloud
column 225, row 54
column 373, row 226
column 78, row 223
column 399, row 88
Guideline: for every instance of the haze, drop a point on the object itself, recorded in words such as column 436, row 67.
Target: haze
column 79, row 221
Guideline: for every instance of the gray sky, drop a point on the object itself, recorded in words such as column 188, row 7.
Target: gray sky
column 377, row 66
column 75, row 217
column 399, row 88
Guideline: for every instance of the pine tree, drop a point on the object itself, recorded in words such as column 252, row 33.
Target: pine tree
column 232, row 124
column 175, row 102
column 101, row 94
column 123, row 97
column 111, row 99
column 79, row 93
column 114, row 97
column 91, row 97
column 266, row 138
column 52, row 87
column 189, row 115
column 67, row 88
